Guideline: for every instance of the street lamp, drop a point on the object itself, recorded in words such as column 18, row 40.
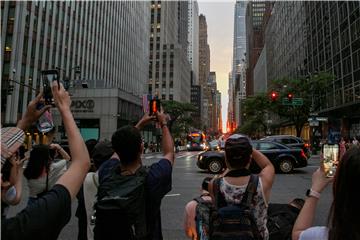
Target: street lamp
column 312, row 109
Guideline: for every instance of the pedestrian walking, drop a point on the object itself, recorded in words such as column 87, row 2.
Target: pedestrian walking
column 342, row 147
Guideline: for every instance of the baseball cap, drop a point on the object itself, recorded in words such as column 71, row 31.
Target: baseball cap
column 11, row 139
column 238, row 146
column 102, row 151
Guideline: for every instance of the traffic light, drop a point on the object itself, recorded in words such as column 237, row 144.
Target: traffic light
column 290, row 96
column 274, row 95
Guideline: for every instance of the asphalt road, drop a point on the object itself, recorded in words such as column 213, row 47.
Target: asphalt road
column 187, row 179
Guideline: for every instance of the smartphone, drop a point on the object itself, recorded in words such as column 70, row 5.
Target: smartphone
column 22, row 151
column 48, row 76
column 154, row 106
column 330, row 158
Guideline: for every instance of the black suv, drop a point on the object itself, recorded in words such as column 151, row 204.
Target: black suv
column 291, row 141
column 284, row 158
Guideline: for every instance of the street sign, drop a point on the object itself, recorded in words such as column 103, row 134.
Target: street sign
column 322, row 119
column 313, row 123
column 294, row 102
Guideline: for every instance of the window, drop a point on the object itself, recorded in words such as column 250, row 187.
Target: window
column 267, row 146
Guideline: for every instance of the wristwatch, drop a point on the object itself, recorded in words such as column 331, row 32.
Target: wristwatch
column 312, row 193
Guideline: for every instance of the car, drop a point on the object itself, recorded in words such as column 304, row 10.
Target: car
column 214, row 145
column 291, row 141
column 284, row 158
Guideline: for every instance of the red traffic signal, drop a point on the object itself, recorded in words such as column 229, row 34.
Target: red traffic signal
column 290, row 96
column 274, row 95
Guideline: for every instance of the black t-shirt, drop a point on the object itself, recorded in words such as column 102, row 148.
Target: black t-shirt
column 42, row 220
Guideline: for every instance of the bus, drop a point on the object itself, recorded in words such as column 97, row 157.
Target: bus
column 196, row 141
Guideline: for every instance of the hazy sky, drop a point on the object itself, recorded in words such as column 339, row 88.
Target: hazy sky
column 220, row 21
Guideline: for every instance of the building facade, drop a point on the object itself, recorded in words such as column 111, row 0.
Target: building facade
column 204, row 69
column 169, row 69
column 333, row 41
column 105, row 44
column 257, row 15
column 193, row 39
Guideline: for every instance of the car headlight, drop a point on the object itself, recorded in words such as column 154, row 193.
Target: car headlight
column 188, row 145
column 200, row 158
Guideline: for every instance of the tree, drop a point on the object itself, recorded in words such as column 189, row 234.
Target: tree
column 180, row 121
column 310, row 89
column 255, row 111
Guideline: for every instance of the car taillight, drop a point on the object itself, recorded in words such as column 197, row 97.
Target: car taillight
column 307, row 145
column 302, row 153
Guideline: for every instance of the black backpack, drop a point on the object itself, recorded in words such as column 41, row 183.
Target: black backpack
column 120, row 210
column 281, row 219
column 234, row 221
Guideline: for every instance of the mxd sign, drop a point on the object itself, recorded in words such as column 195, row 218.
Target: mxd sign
column 83, row 105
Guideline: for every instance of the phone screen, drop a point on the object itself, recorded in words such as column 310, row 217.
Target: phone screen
column 154, row 106
column 330, row 158
column 48, row 76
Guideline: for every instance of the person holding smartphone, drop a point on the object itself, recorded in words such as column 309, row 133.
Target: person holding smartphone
column 344, row 221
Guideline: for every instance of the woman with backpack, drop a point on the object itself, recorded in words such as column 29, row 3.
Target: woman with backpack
column 41, row 170
column 343, row 221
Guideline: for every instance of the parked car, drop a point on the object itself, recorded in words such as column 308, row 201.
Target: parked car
column 291, row 141
column 284, row 158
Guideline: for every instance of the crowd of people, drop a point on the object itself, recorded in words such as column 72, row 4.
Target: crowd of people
column 121, row 198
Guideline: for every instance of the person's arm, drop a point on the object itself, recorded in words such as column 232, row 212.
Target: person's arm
column 32, row 114
column 146, row 119
column 167, row 141
column 189, row 220
column 267, row 173
column 61, row 151
column 73, row 178
column 306, row 216
column 16, row 179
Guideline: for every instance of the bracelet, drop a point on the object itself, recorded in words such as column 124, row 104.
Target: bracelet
column 312, row 193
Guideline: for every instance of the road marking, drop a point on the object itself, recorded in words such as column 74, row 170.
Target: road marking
column 172, row 195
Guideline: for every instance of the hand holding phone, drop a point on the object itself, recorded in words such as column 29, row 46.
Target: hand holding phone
column 48, row 77
column 330, row 159
column 154, row 106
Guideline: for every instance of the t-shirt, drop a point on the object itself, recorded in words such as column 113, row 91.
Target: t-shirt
column 36, row 186
column 318, row 233
column 90, row 187
column 158, row 183
column 42, row 220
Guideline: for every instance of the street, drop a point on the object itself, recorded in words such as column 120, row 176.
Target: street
column 187, row 179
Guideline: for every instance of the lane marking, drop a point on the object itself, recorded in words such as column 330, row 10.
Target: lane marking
column 172, row 195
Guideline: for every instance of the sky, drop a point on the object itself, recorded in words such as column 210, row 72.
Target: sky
column 220, row 21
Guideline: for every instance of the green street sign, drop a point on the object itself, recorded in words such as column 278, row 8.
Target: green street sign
column 294, row 102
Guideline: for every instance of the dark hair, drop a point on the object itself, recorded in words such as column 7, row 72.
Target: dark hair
column 90, row 145
column 238, row 151
column 205, row 183
column 344, row 214
column 126, row 142
column 40, row 158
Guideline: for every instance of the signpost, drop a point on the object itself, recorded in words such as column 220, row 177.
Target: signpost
column 294, row 102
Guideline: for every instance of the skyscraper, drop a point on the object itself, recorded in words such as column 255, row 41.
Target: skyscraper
column 106, row 41
column 193, row 39
column 238, row 87
column 204, row 68
column 169, row 69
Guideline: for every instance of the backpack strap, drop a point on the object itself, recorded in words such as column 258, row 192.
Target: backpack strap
column 250, row 190
column 215, row 193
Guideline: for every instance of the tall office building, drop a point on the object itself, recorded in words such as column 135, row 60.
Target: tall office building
column 193, row 39
column 169, row 69
column 257, row 15
column 204, row 68
column 108, row 41
column 333, row 39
